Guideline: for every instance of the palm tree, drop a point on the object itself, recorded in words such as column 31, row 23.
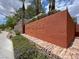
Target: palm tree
column 23, row 17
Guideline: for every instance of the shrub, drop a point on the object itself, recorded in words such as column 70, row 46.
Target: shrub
column 2, row 27
column 17, row 32
column 26, row 50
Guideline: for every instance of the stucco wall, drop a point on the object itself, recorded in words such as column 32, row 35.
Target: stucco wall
column 54, row 29
column 71, row 28
column 18, row 26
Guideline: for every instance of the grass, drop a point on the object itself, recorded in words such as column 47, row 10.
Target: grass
column 19, row 41
column 26, row 50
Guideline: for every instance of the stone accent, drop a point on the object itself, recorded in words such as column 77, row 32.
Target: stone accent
column 54, row 51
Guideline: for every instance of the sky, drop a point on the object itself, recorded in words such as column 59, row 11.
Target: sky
column 71, row 5
column 2, row 19
column 8, row 7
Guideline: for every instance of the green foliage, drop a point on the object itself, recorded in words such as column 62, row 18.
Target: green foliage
column 17, row 32
column 25, row 49
column 30, row 12
column 74, row 19
column 36, row 4
column 37, row 17
column 18, row 41
column 53, row 12
column 10, row 22
column 2, row 26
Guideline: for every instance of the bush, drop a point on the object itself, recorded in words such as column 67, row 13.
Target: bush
column 2, row 27
column 10, row 23
column 26, row 50
column 17, row 32
column 37, row 17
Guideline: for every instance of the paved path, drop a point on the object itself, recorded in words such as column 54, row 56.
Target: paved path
column 70, row 53
column 6, row 46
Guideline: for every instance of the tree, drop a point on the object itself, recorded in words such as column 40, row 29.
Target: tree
column 19, row 14
column 23, row 17
column 51, row 6
column 10, row 22
column 30, row 12
column 37, row 5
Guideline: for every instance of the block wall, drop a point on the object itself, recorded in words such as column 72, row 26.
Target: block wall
column 57, row 29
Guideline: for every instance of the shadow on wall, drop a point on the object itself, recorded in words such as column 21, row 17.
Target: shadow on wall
column 77, row 30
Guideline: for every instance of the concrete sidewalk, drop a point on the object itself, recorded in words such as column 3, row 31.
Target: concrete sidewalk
column 6, row 46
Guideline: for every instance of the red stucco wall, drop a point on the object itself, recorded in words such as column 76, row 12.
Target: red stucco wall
column 70, row 30
column 57, row 29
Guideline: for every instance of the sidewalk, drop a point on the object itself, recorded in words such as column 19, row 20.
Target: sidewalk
column 6, row 46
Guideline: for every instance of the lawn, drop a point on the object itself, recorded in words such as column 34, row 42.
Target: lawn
column 24, row 49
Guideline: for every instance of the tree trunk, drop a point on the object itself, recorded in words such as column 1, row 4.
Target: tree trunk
column 53, row 5
column 49, row 7
column 37, row 4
